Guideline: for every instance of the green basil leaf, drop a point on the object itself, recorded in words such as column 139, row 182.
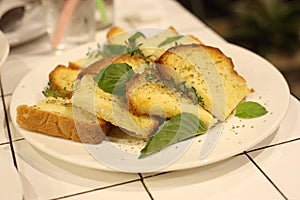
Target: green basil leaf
column 178, row 128
column 133, row 38
column 113, row 49
column 250, row 109
column 113, row 78
column 170, row 40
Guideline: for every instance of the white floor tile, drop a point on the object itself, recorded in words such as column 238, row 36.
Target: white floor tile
column 3, row 130
column 281, row 163
column 132, row 191
column 45, row 177
column 289, row 128
column 236, row 178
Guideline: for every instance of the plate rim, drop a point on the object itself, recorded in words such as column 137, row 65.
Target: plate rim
column 95, row 164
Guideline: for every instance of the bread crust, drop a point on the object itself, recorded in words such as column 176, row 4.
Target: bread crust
column 149, row 96
column 63, row 78
column 57, row 125
column 174, row 63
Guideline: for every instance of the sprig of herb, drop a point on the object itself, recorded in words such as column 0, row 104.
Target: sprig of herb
column 170, row 40
column 49, row 91
column 183, row 89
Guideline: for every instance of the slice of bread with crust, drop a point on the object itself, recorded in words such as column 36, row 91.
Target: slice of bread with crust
column 54, row 117
column 63, row 78
column 138, row 62
column 88, row 96
column 148, row 95
column 155, row 45
column 210, row 72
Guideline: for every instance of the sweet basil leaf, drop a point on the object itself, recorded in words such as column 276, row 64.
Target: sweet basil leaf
column 133, row 38
column 113, row 49
column 180, row 127
column 113, row 78
column 169, row 40
column 250, row 109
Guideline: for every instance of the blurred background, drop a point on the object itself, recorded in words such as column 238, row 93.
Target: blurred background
column 270, row 28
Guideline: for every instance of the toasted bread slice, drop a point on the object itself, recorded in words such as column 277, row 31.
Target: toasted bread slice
column 147, row 95
column 63, row 78
column 152, row 46
column 117, row 35
column 111, row 108
column 138, row 62
column 210, row 72
column 54, row 117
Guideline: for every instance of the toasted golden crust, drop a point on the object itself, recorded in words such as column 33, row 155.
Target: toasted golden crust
column 146, row 97
column 200, row 65
column 63, row 78
column 112, row 109
column 56, row 119
column 138, row 62
column 74, row 65
column 195, row 39
column 151, row 97
column 114, row 31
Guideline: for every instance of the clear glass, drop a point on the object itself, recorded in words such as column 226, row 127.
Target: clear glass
column 69, row 22
column 104, row 13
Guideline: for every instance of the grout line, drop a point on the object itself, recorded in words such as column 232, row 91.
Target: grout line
column 5, row 95
column 268, row 178
column 153, row 175
column 96, row 189
column 146, row 188
column 272, row 145
column 8, row 127
column 16, row 140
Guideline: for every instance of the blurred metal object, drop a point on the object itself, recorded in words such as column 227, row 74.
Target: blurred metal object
column 12, row 18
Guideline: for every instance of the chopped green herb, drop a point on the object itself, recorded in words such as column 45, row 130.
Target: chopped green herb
column 250, row 109
column 135, row 36
column 180, row 127
column 113, row 49
column 170, row 40
column 150, row 77
column 50, row 92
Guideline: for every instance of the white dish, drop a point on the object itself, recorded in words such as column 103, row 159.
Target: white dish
column 4, row 50
column 238, row 135
column 10, row 182
column 33, row 26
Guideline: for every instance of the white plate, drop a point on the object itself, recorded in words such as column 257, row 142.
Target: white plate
column 4, row 50
column 10, row 182
column 32, row 27
column 238, row 135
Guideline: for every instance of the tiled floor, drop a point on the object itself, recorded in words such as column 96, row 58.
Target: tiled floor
column 270, row 170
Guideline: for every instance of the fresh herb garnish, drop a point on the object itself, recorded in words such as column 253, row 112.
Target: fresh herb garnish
column 170, row 40
column 113, row 49
column 197, row 98
column 183, row 89
column 151, row 77
column 113, row 78
column 51, row 92
column 250, row 109
column 132, row 39
column 180, row 127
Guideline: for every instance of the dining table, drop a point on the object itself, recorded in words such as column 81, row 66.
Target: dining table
column 269, row 169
